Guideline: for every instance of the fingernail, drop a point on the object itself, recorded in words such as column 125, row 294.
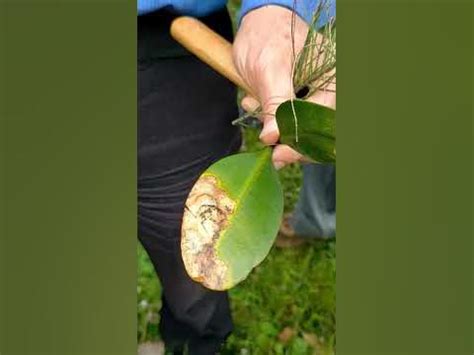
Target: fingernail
column 278, row 164
column 268, row 128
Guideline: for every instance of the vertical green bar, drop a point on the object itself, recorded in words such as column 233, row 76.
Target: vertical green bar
column 404, row 193
column 2, row 169
column 70, row 137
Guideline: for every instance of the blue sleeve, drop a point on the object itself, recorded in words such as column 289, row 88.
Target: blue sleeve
column 195, row 8
column 304, row 8
column 146, row 6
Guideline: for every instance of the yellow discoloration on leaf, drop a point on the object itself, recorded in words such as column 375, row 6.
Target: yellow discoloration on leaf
column 206, row 215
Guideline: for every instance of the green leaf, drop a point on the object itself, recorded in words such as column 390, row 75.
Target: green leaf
column 231, row 219
column 308, row 128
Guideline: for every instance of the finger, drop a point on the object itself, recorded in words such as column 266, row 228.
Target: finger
column 284, row 155
column 324, row 98
column 276, row 86
column 275, row 90
column 327, row 95
column 249, row 104
column 270, row 133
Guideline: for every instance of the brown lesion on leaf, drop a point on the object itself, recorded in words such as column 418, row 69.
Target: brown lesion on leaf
column 206, row 215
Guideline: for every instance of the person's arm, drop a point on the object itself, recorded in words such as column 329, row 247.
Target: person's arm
column 304, row 8
column 196, row 8
column 262, row 53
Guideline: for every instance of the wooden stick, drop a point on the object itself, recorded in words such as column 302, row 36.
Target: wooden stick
column 208, row 46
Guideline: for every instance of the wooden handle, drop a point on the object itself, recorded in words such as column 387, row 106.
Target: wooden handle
column 208, row 46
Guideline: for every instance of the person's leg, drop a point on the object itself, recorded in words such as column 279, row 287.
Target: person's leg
column 185, row 114
column 191, row 315
column 315, row 212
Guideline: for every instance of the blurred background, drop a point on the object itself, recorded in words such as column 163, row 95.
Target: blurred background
column 288, row 303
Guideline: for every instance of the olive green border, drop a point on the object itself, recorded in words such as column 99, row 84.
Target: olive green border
column 70, row 241
column 2, row 169
column 404, row 177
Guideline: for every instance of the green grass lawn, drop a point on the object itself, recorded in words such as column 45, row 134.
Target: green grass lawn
column 286, row 306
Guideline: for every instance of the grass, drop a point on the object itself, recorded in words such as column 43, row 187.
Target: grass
column 287, row 304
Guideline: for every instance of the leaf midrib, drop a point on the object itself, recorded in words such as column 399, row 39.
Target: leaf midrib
column 261, row 160
column 251, row 178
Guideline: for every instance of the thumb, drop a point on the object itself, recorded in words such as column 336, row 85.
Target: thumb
column 274, row 91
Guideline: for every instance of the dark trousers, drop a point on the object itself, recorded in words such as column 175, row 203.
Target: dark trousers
column 185, row 114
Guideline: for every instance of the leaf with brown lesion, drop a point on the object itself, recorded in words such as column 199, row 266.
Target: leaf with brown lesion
column 231, row 219
column 207, row 212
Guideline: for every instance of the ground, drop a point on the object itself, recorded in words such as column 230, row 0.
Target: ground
column 286, row 306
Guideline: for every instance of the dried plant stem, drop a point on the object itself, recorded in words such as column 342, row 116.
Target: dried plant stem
column 314, row 68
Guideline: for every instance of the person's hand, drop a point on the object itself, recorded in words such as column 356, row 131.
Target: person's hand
column 263, row 55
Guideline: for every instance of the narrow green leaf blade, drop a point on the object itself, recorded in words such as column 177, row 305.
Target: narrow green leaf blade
column 308, row 128
column 231, row 219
